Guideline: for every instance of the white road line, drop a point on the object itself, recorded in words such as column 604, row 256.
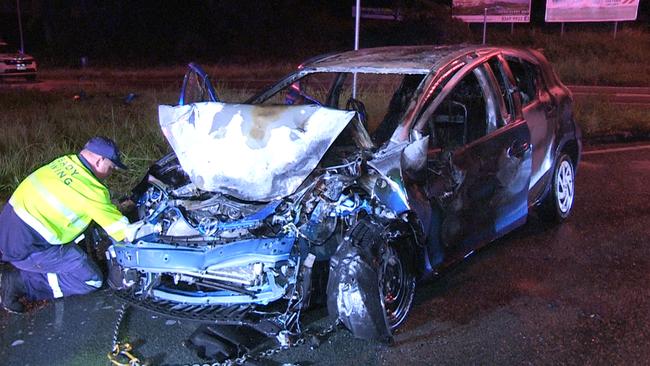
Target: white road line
column 616, row 149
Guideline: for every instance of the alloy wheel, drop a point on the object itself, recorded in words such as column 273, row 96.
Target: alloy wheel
column 564, row 186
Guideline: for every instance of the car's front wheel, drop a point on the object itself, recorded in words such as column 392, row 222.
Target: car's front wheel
column 559, row 201
column 396, row 284
column 372, row 280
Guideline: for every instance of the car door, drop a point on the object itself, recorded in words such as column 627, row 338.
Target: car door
column 478, row 163
column 541, row 115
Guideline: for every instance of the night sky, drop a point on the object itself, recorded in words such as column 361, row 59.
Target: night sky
column 170, row 32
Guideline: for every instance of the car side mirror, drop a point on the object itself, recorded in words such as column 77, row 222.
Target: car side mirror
column 414, row 158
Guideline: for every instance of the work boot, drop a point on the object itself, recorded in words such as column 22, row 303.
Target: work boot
column 11, row 289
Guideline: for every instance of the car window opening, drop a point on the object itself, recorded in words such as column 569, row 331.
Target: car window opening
column 380, row 103
column 462, row 116
column 526, row 78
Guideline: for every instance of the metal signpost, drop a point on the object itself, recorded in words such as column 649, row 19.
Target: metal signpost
column 357, row 17
column 371, row 13
column 20, row 27
column 490, row 11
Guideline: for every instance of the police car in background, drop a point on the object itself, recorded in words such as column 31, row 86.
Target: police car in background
column 13, row 63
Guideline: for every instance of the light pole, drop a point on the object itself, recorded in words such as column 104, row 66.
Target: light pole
column 357, row 17
column 20, row 27
column 484, row 24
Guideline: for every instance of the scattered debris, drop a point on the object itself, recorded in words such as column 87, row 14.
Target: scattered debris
column 129, row 98
column 17, row 342
column 81, row 96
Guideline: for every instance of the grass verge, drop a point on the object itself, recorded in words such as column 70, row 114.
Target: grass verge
column 39, row 126
column 590, row 57
column 601, row 120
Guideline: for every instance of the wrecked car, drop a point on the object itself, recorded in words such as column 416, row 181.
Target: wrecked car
column 344, row 183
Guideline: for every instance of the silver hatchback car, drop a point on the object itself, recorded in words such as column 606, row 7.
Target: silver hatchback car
column 344, row 183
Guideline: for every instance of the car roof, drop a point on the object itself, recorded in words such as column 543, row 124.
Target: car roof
column 393, row 59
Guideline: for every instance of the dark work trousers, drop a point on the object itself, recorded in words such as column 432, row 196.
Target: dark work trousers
column 58, row 271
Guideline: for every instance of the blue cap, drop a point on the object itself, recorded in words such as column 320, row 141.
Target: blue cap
column 107, row 148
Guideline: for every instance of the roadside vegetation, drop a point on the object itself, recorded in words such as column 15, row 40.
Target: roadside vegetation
column 602, row 121
column 581, row 57
column 39, row 126
column 589, row 57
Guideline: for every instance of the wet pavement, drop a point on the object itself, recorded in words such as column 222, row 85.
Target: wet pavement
column 575, row 293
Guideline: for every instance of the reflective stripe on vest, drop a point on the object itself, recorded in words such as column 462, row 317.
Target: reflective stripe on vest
column 116, row 226
column 58, row 205
column 35, row 224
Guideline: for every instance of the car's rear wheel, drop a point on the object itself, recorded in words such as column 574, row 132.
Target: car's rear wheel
column 559, row 201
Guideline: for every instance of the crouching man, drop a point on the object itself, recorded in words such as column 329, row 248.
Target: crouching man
column 44, row 218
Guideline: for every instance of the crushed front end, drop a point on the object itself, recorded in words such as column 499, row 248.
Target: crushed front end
column 232, row 257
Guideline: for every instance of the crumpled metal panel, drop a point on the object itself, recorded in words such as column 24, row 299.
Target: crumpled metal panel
column 252, row 152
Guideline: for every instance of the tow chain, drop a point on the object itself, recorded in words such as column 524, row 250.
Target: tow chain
column 121, row 353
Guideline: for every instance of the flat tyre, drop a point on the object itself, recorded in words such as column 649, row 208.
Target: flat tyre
column 372, row 281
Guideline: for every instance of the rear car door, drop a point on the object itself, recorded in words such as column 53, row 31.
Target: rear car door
column 479, row 162
column 541, row 114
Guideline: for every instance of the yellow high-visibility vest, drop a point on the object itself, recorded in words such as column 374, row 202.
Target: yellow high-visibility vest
column 60, row 199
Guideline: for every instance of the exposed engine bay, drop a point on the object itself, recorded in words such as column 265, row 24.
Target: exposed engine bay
column 215, row 253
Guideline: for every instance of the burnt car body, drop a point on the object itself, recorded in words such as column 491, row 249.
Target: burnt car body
column 345, row 182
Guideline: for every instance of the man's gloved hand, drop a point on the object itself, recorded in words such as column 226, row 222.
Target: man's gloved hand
column 137, row 230
column 131, row 230
column 126, row 207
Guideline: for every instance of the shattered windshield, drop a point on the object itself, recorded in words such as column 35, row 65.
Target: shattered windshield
column 381, row 99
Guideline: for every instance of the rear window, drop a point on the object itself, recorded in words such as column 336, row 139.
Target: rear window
column 527, row 77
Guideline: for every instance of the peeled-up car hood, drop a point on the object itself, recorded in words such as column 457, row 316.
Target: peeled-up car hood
column 252, row 152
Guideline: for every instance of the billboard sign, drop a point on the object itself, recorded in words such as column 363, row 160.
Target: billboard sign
column 591, row 10
column 378, row 13
column 498, row 11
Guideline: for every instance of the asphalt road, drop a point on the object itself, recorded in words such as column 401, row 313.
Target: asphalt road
column 572, row 294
